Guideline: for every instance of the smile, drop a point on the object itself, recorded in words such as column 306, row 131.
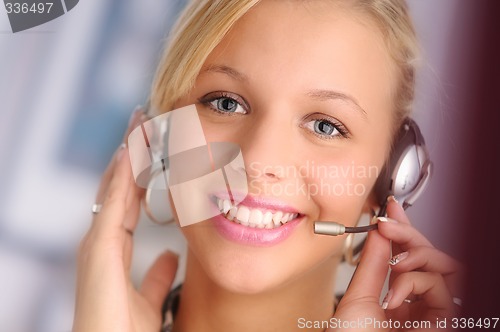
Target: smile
column 254, row 217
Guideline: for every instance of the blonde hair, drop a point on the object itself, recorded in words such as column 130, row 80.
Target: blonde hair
column 199, row 29
column 204, row 23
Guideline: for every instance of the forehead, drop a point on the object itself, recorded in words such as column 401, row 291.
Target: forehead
column 306, row 44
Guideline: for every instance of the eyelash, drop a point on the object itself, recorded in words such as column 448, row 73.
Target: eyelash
column 209, row 98
column 339, row 126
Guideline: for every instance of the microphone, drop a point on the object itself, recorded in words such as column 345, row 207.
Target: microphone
column 334, row 228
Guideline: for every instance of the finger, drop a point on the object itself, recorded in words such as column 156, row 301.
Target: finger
column 133, row 209
column 396, row 211
column 430, row 287
column 426, row 259
column 135, row 119
column 404, row 234
column 135, row 193
column 130, row 223
column 133, row 203
column 431, row 260
column 372, row 270
column 159, row 279
column 114, row 205
column 105, row 179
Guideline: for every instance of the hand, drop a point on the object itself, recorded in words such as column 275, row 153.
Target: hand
column 360, row 303
column 106, row 299
column 420, row 272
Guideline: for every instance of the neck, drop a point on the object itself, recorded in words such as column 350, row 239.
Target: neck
column 205, row 306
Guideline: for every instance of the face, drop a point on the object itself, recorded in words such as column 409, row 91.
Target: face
column 305, row 89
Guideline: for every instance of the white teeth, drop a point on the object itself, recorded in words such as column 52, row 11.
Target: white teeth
column 226, row 205
column 268, row 220
column 254, row 218
column 277, row 218
column 243, row 215
column 232, row 212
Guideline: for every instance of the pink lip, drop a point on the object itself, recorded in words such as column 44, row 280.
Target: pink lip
column 256, row 236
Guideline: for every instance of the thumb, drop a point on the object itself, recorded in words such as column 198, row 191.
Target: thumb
column 372, row 269
column 159, row 279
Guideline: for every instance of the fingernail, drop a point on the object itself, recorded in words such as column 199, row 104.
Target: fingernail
column 387, row 299
column 119, row 153
column 391, row 198
column 385, row 219
column 398, row 258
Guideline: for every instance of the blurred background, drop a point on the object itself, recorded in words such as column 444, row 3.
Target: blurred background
column 67, row 89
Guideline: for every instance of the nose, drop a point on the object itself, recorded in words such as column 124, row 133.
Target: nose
column 268, row 148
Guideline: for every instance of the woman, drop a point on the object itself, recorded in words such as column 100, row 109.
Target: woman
column 293, row 83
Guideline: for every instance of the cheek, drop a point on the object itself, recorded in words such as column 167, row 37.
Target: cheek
column 341, row 188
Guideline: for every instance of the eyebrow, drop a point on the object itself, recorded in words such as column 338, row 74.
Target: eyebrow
column 226, row 70
column 325, row 95
column 318, row 94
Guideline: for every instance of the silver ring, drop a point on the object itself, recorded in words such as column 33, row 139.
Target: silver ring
column 458, row 301
column 96, row 208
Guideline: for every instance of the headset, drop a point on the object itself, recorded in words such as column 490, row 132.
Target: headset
column 405, row 175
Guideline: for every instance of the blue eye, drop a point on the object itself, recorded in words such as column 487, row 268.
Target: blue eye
column 324, row 128
column 229, row 105
column 223, row 102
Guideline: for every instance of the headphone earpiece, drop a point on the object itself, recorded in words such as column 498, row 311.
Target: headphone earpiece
column 408, row 169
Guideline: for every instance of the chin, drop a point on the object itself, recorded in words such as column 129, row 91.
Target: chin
column 249, row 269
column 249, row 275
column 238, row 268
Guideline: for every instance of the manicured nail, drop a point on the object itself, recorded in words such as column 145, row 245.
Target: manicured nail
column 119, row 153
column 398, row 258
column 387, row 299
column 391, row 198
column 385, row 219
